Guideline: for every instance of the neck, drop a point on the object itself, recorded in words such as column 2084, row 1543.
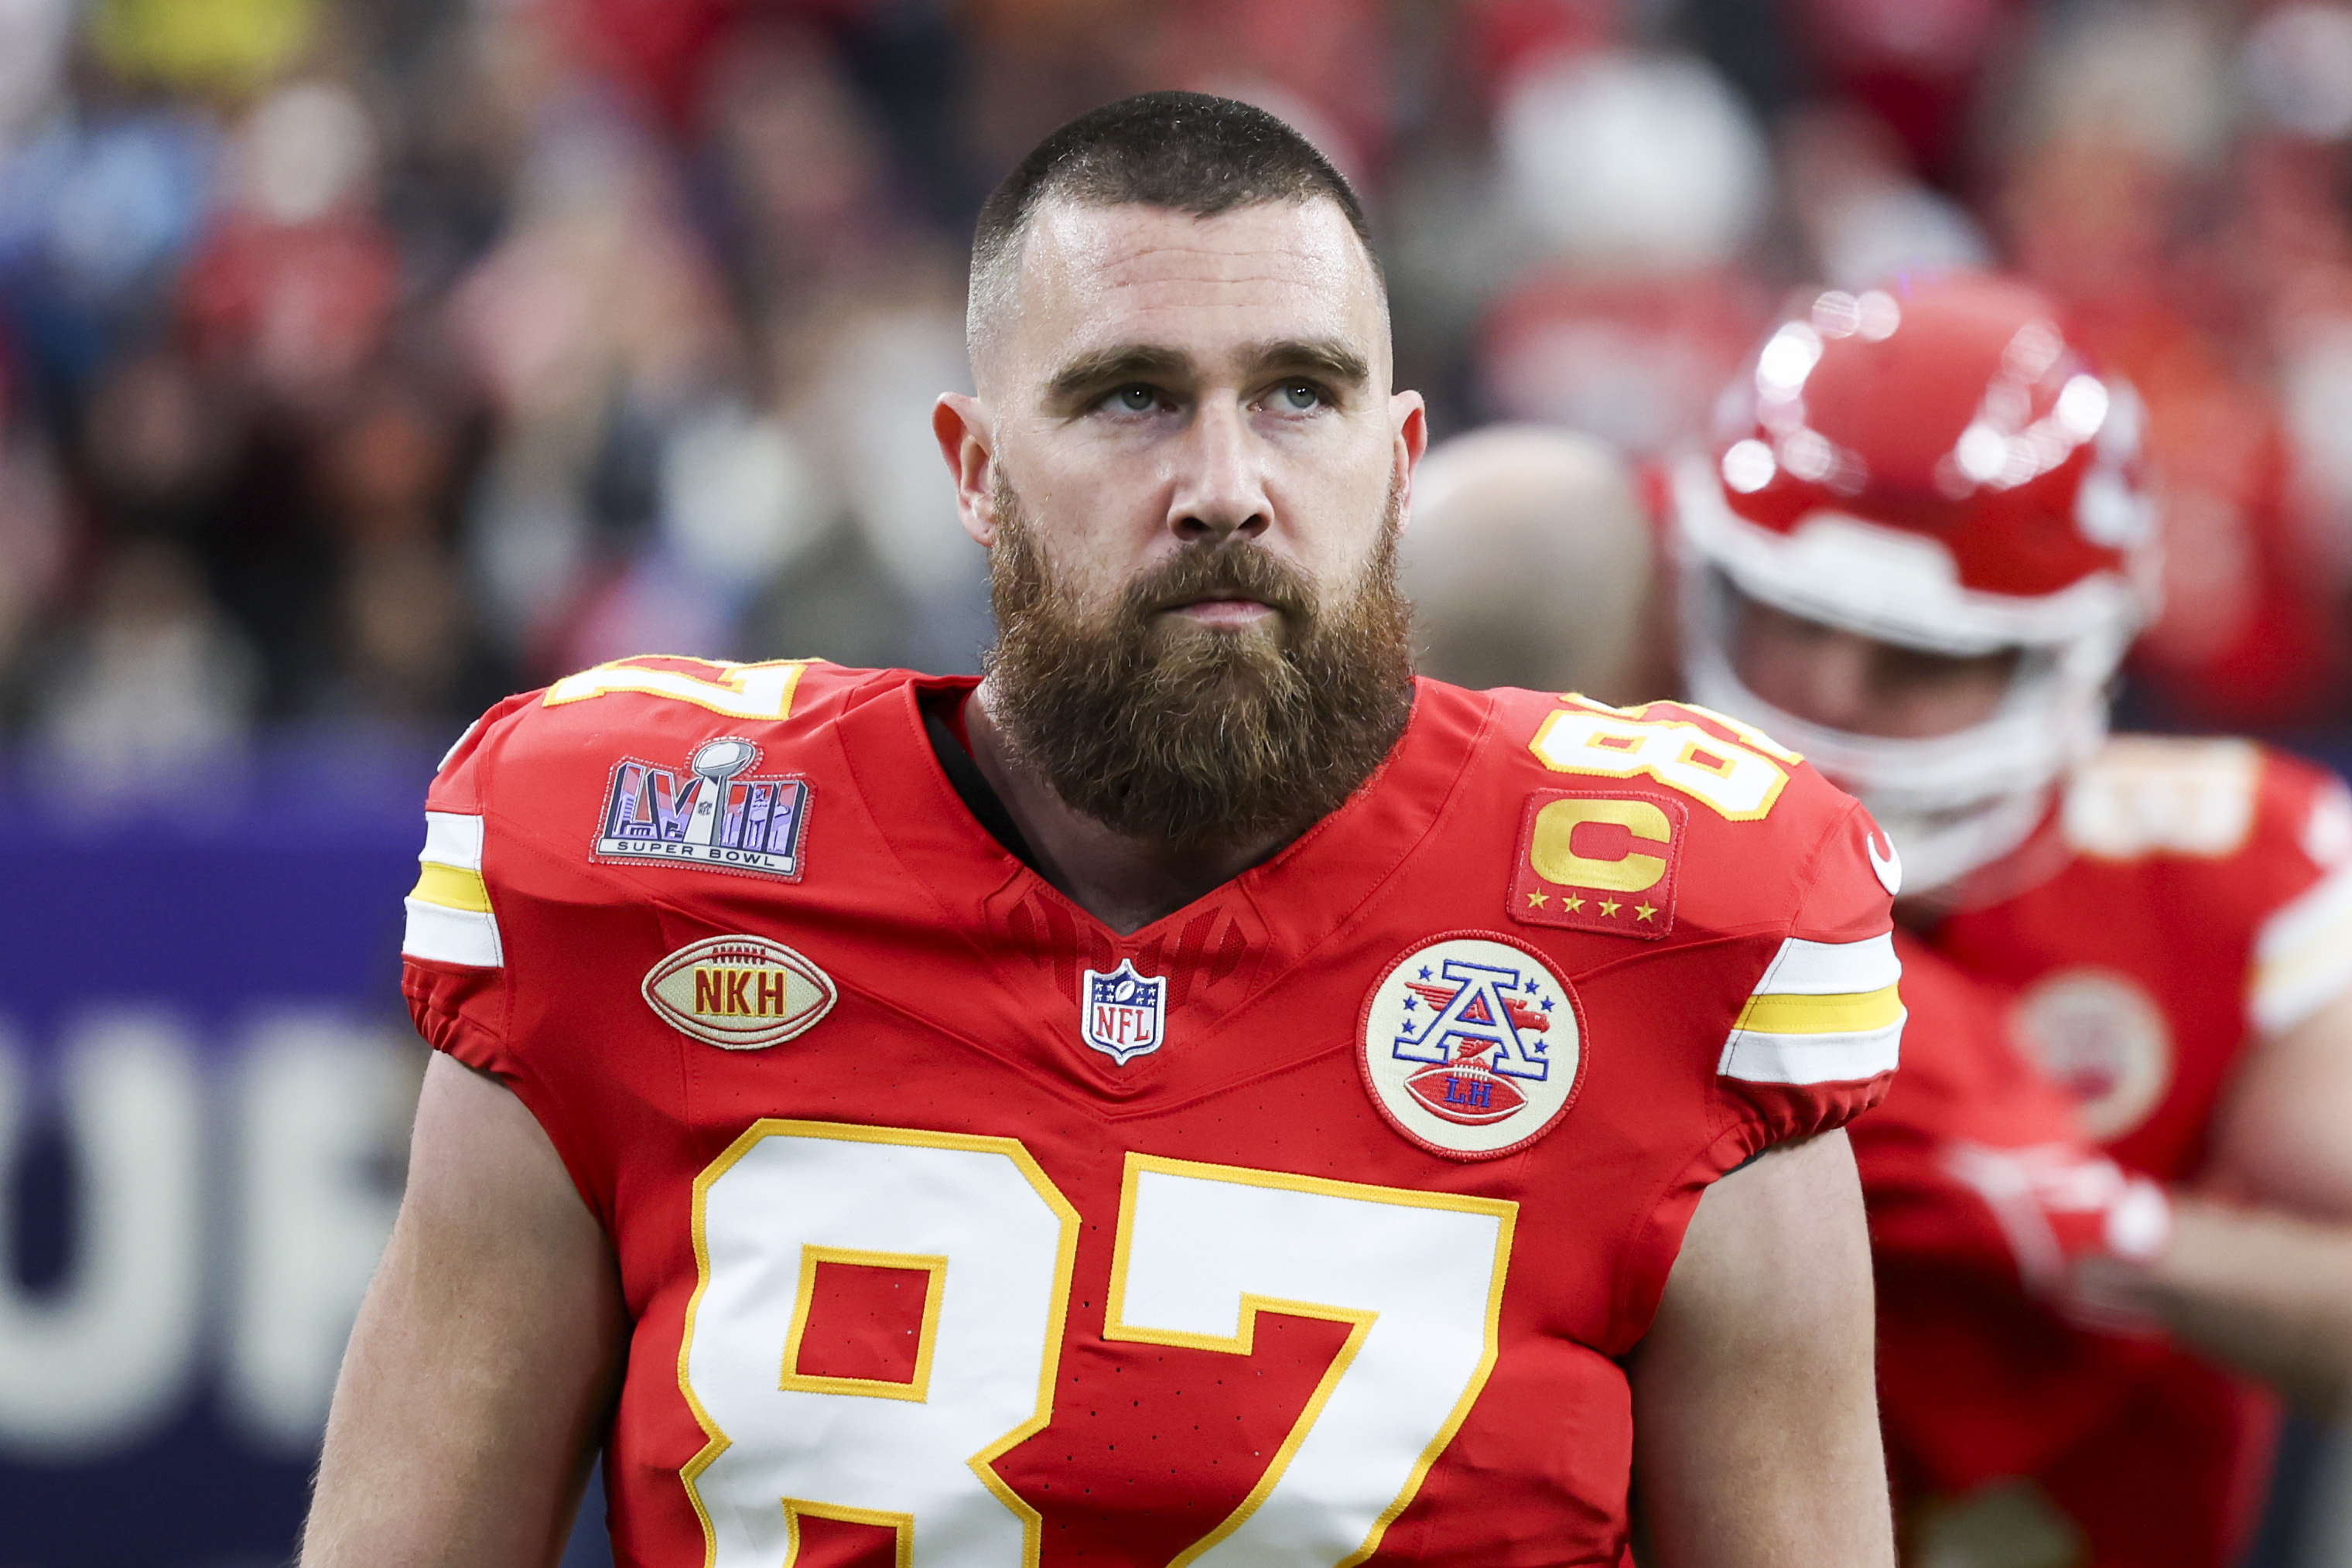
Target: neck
column 1127, row 884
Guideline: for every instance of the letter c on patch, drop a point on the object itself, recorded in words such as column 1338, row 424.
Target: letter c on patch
column 1555, row 860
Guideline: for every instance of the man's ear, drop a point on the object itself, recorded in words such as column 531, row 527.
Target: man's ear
column 962, row 426
column 1411, row 441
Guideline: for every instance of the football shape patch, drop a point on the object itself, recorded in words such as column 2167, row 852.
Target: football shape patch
column 1473, row 1046
column 739, row 993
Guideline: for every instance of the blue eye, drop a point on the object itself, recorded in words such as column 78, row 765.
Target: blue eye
column 1135, row 400
column 1298, row 397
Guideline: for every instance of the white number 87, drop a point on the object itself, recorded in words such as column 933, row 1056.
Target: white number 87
column 1201, row 1250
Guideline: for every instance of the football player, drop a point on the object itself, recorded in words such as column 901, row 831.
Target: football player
column 1196, row 1094
column 1917, row 552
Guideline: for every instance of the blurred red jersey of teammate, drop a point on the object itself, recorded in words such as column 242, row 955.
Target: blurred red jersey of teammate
column 1925, row 529
column 1311, row 1220
column 2186, row 898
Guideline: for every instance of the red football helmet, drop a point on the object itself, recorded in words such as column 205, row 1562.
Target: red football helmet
column 1933, row 465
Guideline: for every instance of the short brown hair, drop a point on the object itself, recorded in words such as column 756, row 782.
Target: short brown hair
column 1186, row 152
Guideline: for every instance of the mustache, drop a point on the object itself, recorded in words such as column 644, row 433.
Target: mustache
column 1193, row 740
column 1234, row 569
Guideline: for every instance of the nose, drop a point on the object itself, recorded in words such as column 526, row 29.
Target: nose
column 1220, row 488
column 1838, row 688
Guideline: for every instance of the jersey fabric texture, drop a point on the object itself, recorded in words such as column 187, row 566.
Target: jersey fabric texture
column 956, row 1228
column 2186, row 898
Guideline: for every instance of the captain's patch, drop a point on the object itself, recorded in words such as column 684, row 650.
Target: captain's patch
column 1592, row 861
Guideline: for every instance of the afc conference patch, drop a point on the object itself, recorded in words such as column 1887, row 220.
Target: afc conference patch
column 712, row 812
column 1473, row 1046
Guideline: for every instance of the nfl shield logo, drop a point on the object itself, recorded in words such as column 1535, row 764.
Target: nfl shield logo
column 1122, row 1014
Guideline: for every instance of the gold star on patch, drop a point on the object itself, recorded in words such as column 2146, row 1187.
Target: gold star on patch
column 1570, row 903
column 1645, row 910
column 1610, row 906
column 1537, row 900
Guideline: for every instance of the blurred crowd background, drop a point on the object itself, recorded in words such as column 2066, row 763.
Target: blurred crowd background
column 360, row 364
column 363, row 363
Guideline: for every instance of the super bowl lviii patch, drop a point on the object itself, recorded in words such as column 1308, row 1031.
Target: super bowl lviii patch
column 712, row 812
column 1593, row 861
column 739, row 993
column 1473, row 1046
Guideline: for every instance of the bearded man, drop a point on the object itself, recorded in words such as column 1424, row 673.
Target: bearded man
column 1195, row 1095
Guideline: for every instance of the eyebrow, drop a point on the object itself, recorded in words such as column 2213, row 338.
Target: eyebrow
column 1325, row 358
column 1322, row 357
column 1109, row 367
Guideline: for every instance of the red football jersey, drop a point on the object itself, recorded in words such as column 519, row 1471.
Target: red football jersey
column 1308, row 1222
column 2186, row 898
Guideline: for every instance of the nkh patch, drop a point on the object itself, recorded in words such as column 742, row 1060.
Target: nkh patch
column 712, row 812
column 1473, row 1045
column 739, row 993
column 1593, row 861
column 1122, row 1014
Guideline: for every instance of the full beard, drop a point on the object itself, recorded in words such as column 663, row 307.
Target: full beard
column 1188, row 735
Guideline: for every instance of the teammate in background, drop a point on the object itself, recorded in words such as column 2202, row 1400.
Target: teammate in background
column 1198, row 1093
column 1917, row 555
column 1532, row 562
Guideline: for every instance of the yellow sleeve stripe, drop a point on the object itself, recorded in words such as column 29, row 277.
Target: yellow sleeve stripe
column 1851, row 1013
column 451, row 888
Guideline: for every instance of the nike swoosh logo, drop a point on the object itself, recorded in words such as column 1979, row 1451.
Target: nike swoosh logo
column 1889, row 867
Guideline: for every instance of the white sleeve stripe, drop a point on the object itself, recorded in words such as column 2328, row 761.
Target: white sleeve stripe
column 447, row 935
column 2302, row 956
column 453, row 839
column 2285, row 995
column 2319, row 911
column 1757, row 1057
column 1804, row 969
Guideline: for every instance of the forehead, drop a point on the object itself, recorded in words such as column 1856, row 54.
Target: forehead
column 1094, row 277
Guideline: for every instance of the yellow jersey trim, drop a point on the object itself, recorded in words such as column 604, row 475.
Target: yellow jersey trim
column 1785, row 1013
